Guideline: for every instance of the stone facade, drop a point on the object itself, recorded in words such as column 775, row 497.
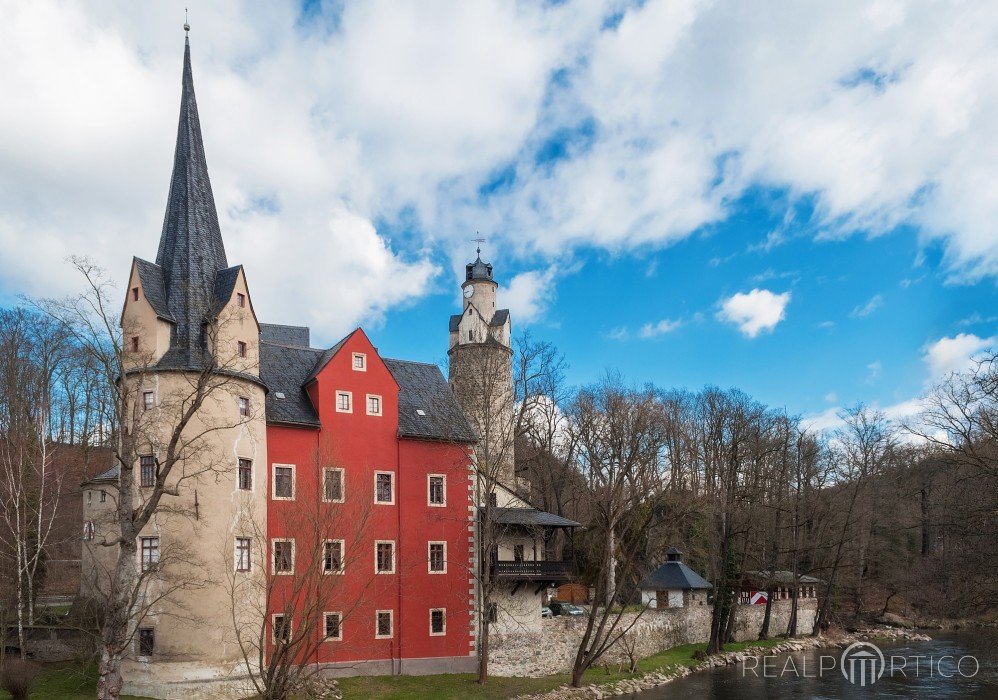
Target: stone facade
column 552, row 649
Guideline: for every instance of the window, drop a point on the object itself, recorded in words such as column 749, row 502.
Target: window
column 147, row 471
column 245, row 474
column 135, row 293
column 243, row 556
column 332, row 485
column 103, row 496
column 384, row 557
column 373, row 405
column 438, row 557
column 333, row 626
column 150, row 553
column 282, row 629
column 344, row 402
column 240, row 300
column 88, row 531
column 436, row 495
column 384, row 487
column 383, row 624
column 284, row 482
column 244, row 406
column 332, row 557
column 284, row 556
column 360, row 362
column 148, row 400
column 90, row 497
column 241, row 348
column 135, row 343
column 438, row 622
column 147, row 641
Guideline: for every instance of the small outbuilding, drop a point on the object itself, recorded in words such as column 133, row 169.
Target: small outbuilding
column 674, row 585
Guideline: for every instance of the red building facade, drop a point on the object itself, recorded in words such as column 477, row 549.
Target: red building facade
column 370, row 507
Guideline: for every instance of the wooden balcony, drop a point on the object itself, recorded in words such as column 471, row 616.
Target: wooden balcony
column 551, row 571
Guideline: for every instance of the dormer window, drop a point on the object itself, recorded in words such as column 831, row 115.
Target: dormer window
column 241, row 349
column 241, row 300
column 359, row 362
column 135, row 293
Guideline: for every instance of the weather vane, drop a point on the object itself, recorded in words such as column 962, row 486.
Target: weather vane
column 187, row 26
column 479, row 241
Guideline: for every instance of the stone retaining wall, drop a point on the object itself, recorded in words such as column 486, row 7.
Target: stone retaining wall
column 553, row 648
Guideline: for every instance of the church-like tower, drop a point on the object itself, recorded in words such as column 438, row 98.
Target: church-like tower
column 481, row 369
column 188, row 319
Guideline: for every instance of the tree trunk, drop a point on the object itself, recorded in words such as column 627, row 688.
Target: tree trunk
column 767, row 615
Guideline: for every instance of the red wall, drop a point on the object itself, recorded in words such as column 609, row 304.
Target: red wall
column 361, row 445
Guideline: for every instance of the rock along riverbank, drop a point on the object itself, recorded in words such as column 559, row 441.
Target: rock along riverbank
column 657, row 678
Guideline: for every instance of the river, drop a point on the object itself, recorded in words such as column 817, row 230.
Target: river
column 796, row 676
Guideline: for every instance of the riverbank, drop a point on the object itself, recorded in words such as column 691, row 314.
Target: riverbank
column 669, row 672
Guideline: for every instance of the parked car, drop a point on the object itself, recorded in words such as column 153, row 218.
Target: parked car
column 546, row 612
column 567, row 609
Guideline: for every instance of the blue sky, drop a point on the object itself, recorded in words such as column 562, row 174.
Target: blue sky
column 798, row 200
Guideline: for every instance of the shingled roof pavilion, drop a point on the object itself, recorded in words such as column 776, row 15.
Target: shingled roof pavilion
column 674, row 584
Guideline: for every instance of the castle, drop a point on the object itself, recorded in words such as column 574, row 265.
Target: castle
column 335, row 493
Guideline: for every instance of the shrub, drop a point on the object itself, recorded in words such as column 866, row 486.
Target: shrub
column 17, row 676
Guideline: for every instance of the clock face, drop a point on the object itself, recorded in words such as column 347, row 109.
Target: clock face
column 469, row 292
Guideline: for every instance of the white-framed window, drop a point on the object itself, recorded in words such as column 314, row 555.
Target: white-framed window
column 148, row 400
column 244, row 406
column 284, row 556
column 359, row 362
column 332, row 556
column 383, row 624
column 332, row 484
column 332, row 626
column 438, row 622
column 436, row 553
column 280, row 627
column 344, row 401
column 149, row 553
column 384, row 488
column 103, row 496
column 373, row 405
column 243, row 554
column 436, row 490
column 284, row 482
column 88, row 531
column 384, row 556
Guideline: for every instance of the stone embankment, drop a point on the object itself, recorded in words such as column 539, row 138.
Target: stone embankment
column 654, row 679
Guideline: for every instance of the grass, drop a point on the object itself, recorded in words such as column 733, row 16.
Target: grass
column 464, row 686
column 66, row 682
column 74, row 682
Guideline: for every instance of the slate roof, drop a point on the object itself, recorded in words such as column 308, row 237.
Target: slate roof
column 499, row 318
column 297, row 336
column 285, row 370
column 190, row 252
column 479, row 270
column 455, row 323
column 422, row 387
column 151, row 276
column 530, row 517
column 225, row 281
column 779, row 577
column 108, row 475
column 673, row 575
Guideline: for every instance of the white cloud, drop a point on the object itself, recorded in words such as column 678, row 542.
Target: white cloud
column 653, row 330
column 401, row 113
column 873, row 371
column 864, row 310
column 954, row 354
column 528, row 295
column 755, row 312
column 831, row 397
column 619, row 333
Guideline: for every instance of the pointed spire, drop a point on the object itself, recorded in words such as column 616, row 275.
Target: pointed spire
column 190, row 248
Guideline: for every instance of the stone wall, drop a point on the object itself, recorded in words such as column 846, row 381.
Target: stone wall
column 553, row 648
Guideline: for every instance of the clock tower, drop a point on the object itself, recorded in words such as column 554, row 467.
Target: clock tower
column 481, row 369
